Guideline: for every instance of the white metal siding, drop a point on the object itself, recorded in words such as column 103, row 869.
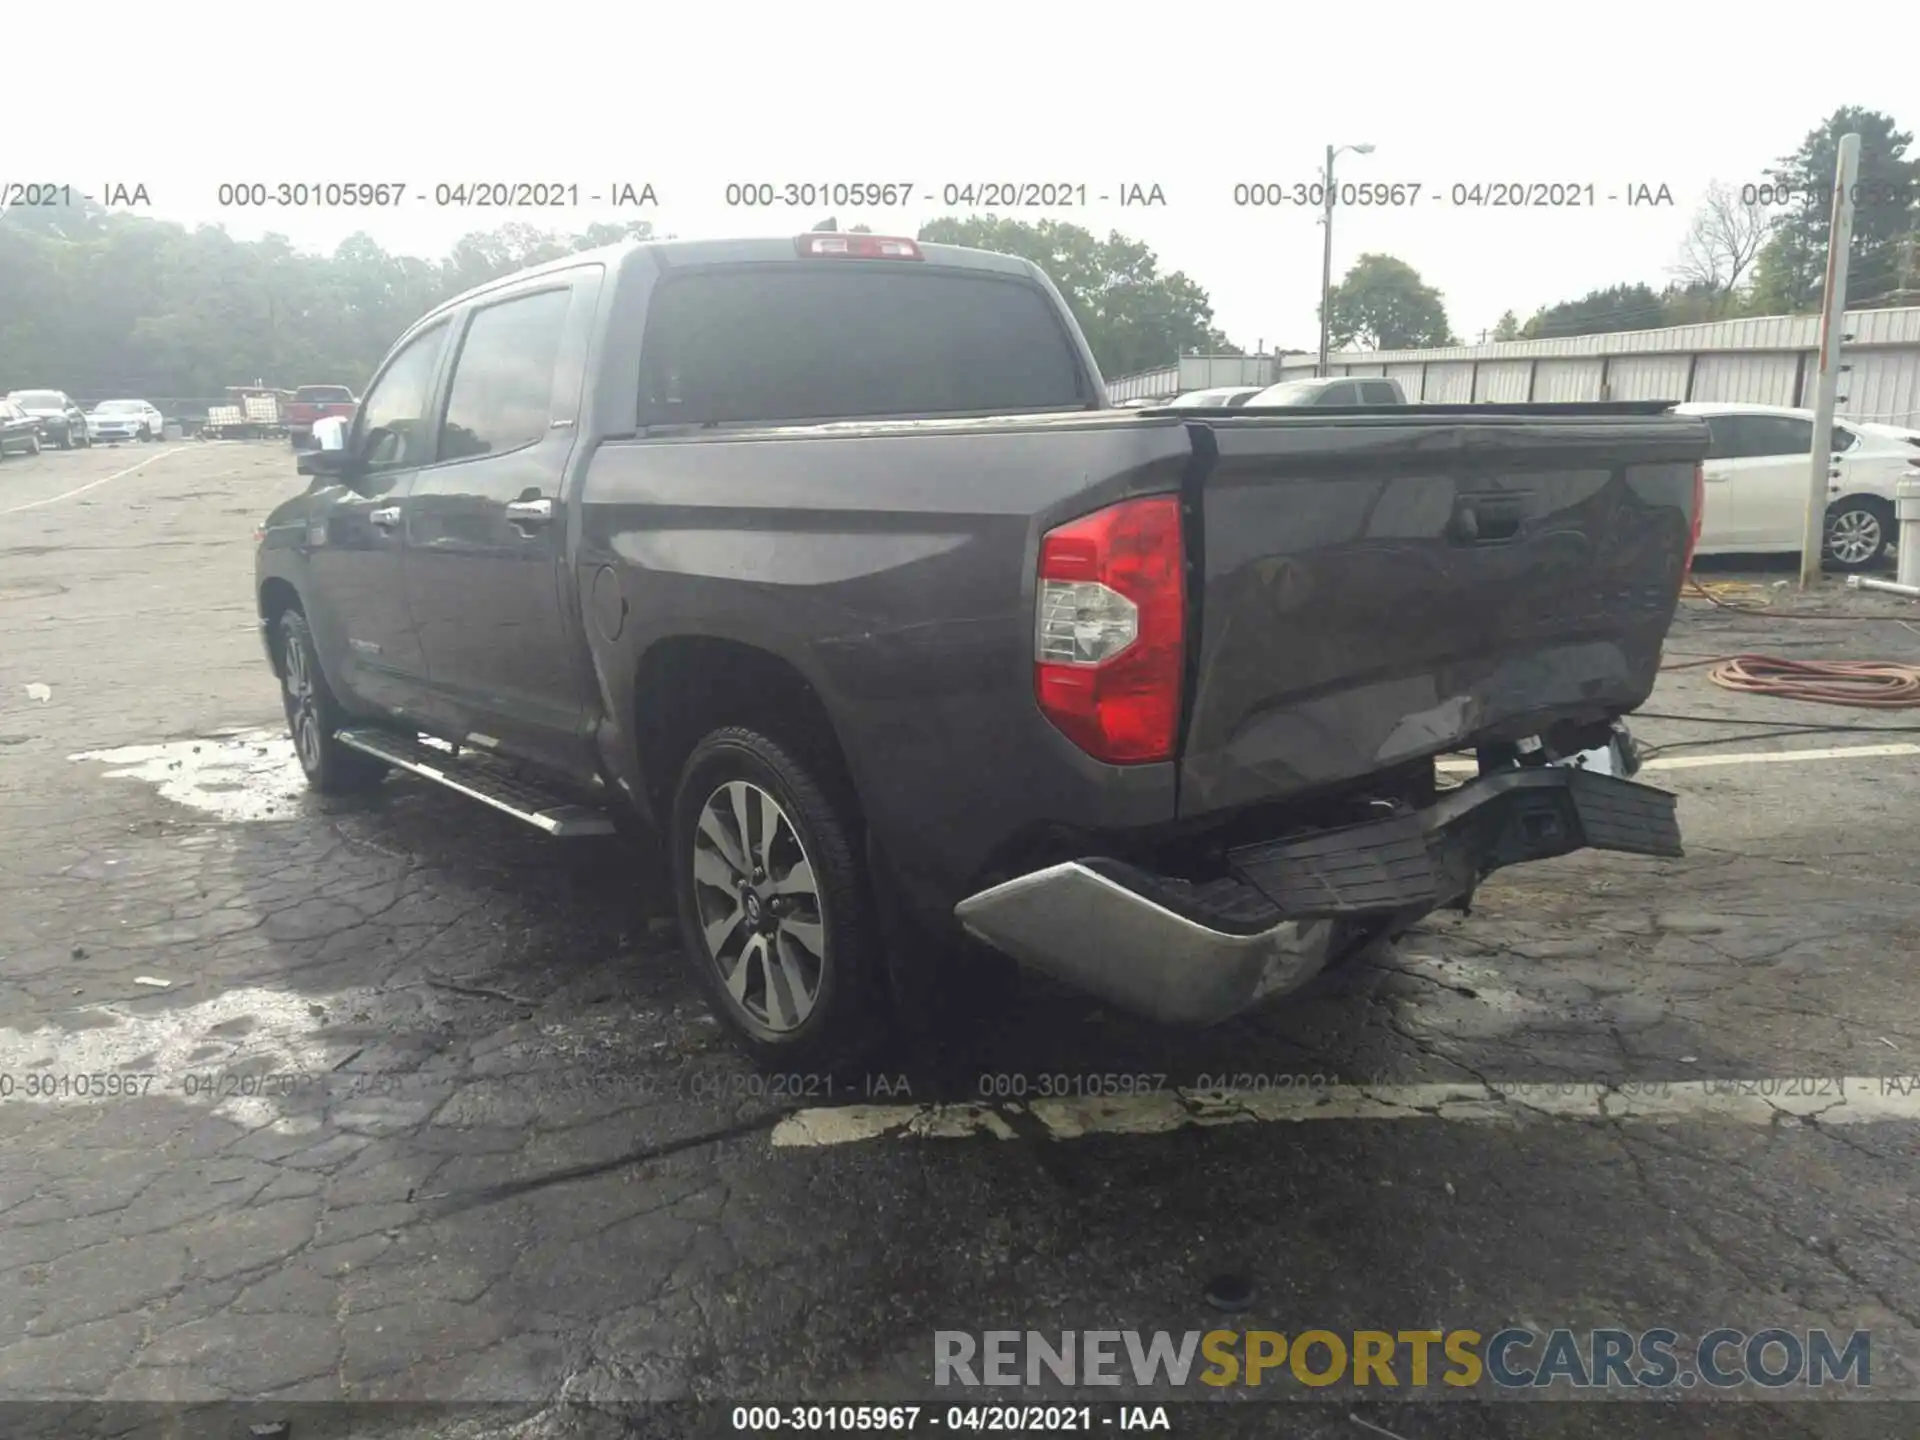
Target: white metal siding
column 1752, row 361
column 1883, row 385
column 1563, row 381
column 1648, row 377
column 1152, row 383
column 1753, row 379
column 1449, row 384
column 1209, row 372
column 1504, row 382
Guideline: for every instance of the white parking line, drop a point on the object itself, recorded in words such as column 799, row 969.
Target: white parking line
column 1832, row 1100
column 92, row 484
column 1737, row 757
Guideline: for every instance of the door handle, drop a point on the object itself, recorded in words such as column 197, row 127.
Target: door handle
column 529, row 512
column 386, row 517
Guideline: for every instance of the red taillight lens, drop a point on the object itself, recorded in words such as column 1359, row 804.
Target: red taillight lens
column 1699, row 511
column 1110, row 627
column 858, row 247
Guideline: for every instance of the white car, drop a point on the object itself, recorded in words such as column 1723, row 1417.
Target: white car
column 124, row 420
column 1757, row 477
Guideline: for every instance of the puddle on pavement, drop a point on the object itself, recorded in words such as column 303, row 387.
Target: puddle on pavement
column 247, row 1055
column 234, row 775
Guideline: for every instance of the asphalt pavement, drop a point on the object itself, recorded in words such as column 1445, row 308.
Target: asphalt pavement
column 393, row 1099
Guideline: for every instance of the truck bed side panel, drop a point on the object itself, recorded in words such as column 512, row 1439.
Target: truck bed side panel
column 893, row 565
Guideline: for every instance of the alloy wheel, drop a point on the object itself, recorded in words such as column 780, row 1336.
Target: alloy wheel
column 759, row 906
column 1854, row 537
column 303, row 713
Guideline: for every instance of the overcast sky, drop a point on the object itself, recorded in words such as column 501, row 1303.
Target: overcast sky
column 1192, row 99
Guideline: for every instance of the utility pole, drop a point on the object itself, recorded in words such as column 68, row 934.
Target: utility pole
column 1326, row 261
column 1833, row 311
column 1326, row 247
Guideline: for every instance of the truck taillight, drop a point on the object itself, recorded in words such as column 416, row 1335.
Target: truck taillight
column 1109, row 652
column 858, row 247
column 1699, row 511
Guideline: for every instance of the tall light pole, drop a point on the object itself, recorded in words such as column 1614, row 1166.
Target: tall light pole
column 1833, row 317
column 1326, row 251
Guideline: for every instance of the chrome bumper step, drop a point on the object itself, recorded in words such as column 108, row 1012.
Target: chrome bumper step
column 480, row 778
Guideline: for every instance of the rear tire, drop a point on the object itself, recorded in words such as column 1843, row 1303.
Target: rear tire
column 33, row 445
column 313, row 715
column 1859, row 530
column 775, row 911
column 66, row 440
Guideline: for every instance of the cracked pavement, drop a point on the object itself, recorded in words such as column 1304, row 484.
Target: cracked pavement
column 427, row 1111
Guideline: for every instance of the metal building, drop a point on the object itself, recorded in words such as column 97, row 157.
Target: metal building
column 1767, row 360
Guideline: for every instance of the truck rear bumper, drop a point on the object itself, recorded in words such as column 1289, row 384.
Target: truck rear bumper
column 1186, row 954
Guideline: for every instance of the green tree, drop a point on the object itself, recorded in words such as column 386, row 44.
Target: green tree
column 1383, row 304
column 1792, row 266
column 1507, row 327
column 1598, row 312
column 100, row 303
column 1135, row 317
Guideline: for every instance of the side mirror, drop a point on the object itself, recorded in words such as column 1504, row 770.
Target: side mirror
column 330, row 458
column 321, row 462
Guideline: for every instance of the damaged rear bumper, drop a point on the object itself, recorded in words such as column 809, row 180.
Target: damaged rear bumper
column 1184, row 953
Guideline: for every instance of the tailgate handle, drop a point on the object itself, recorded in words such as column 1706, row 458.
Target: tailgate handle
column 1486, row 519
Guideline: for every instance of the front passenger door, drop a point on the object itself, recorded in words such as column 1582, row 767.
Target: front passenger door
column 358, row 607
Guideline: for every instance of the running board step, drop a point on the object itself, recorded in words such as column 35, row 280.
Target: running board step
column 481, row 779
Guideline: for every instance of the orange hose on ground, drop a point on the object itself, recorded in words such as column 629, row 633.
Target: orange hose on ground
column 1863, row 684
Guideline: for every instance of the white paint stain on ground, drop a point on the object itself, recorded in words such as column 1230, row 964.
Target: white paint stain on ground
column 38, row 691
column 198, row 1054
column 247, row 775
column 1848, row 1100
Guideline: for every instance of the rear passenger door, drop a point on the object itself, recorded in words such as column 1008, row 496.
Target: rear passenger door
column 487, row 529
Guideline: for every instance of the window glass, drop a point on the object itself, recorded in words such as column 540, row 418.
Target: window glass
column 839, row 339
column 502, row 394
column 1379, row 392
column 322, row 395
column 396, row 407
column 1843, row 439
column 1346, row 393
column 1779, row 435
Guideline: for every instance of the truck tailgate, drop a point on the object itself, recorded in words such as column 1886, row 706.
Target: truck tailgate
column 1376, row 588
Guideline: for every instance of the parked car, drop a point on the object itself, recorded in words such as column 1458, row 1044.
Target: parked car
column 1331, row 390
column 927, row 646
column 62, row 422
column 113, row 420
column 1225, row 399
column 19, row 431
column 316, row 402
column 1758, row 472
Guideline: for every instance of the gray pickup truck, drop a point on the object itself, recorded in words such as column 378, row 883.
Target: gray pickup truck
column 828, row 559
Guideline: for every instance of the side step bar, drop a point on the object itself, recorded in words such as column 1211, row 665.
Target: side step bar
column 480, row 779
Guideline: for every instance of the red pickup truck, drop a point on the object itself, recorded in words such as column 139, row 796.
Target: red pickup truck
column 316, row 402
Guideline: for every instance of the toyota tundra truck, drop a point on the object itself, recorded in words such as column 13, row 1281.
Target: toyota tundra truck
column 828, row 559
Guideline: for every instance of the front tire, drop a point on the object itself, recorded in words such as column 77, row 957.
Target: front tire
column 1859, row 530
column 66, row 439
column 775, row 912
column 33, row 445
column 313, row 715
